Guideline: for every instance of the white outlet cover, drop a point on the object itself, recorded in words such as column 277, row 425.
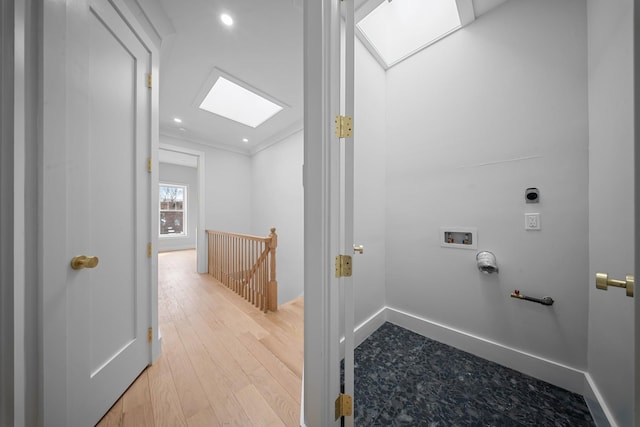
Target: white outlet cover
column 532, row 221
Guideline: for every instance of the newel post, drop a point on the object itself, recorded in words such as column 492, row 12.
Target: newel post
column 273, row 283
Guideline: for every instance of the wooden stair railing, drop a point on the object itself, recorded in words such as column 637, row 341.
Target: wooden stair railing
column 246, row 265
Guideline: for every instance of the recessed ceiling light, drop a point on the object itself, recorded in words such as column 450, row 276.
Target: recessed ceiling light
column 245, row 140
column 226, row 19
column 230, row 100
column 177, row 120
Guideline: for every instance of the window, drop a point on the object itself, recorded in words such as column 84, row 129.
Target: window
column 230, row 100
column 173, row 210
column 395, row 30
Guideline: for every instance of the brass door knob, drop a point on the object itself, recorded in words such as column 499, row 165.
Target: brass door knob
column 82, row 261
column 603, row 282
column 358, row 249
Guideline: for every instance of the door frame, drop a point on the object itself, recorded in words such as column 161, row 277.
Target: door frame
column 57, row 35
column 321, row 179
column 9, row 283
column 636, row 202
column 21, row 32
column 201, row 239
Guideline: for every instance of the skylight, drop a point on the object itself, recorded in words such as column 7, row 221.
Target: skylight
column 397, row 29
column 230, row 100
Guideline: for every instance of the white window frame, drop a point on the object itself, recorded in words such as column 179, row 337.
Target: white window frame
column 185, row 229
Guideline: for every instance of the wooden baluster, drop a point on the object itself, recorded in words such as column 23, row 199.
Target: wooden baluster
column 265, row 280
column 249, row 266
column 247, row 260
column 258, row 288
column 223, row 259
column 216, row 253
column 256, row 278
column 254, row 259
column 241, row 261
column 221, row 253
column 245, row 276
column 212, row 253
column 232, row 245
column 226, row 248
column 272, row 291
column 236, row 254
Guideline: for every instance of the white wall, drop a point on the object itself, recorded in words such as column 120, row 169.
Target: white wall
column 472, row 122
column 227, row 186
column 369, row 185
column 277, row 201
column 181, row 175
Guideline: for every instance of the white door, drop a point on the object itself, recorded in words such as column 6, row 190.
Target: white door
column 347, row 190
column 328, row 211
column 96, row 192
column 612, row 213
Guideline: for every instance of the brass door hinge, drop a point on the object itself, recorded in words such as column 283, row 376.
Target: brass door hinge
column 150, row 334
column 343, row 266
column 149, row 250
column 344, row 126
column 149, row 164
column 149, row 81
column 344, row 406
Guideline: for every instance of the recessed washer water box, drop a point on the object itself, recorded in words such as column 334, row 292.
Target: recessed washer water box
column 459, row 237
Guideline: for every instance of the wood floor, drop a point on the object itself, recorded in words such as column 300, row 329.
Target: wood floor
column 223, row 362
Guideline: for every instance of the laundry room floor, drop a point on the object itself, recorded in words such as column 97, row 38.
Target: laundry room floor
column 402, row 378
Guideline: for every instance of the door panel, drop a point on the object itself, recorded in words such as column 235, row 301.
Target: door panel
column 106, row 196
column 112, row 219
column 611, row 351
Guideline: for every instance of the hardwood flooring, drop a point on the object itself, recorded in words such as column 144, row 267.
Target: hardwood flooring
column 223, row 361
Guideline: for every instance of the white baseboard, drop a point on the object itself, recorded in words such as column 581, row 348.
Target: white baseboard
column 598, row 408
column 369, row 326
column 547, row 370
column 366, row 328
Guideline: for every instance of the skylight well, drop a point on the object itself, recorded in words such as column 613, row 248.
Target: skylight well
column 395, row 30
column 230, row 100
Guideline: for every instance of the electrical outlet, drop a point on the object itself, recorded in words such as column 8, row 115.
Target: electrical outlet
column 532, row 221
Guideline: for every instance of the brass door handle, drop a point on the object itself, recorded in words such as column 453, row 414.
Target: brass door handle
column 358, row 249
column 603, row 282
column 82, row 261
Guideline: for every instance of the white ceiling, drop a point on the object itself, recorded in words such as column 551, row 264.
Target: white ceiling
column 263, row 49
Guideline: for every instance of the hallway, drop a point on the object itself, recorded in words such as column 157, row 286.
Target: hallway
column 223, row 362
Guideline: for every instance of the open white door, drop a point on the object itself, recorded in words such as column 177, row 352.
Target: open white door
column 328, row 211
column 96, row 203
column 612, row 215
column 348, row 246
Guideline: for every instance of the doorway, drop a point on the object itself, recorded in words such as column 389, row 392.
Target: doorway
column 182, row 158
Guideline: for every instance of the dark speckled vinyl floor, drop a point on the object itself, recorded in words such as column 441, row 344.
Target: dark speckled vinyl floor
column 405, row 379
